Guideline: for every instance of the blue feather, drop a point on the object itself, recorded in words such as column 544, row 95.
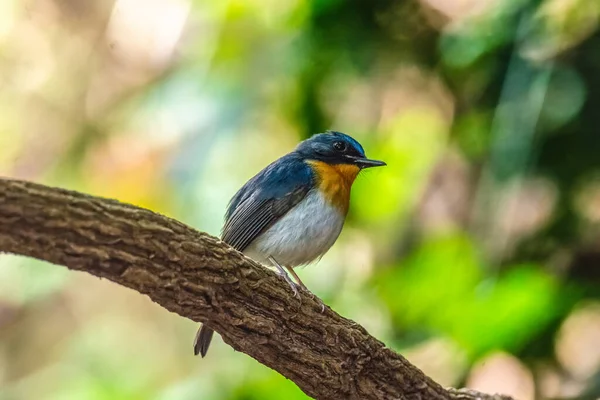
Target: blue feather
column 270, row 194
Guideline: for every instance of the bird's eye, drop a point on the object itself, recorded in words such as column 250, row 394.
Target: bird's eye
column 339, row 146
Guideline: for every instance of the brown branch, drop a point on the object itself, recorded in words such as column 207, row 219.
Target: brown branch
column 201, row 278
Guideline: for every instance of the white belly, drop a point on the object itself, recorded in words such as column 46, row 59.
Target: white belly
column 302, row 235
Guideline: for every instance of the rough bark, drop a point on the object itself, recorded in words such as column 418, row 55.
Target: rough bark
column 201, row 278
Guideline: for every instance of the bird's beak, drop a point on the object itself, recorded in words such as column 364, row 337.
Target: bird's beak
column 367, row 163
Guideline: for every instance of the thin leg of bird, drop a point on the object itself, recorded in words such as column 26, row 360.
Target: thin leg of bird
column 285, row 276
column 291, row 270
column 304, row 286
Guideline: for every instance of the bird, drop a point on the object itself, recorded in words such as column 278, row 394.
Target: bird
column 292, row 212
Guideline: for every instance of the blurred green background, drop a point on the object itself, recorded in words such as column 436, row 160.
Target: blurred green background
column 475, row 253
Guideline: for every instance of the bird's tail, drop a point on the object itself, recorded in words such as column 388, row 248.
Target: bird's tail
column 202, row 341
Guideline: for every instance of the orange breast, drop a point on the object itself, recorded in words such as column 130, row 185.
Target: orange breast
column 335, row 182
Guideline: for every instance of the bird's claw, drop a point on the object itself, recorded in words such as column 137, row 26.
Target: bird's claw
column 295, row 286
column 292, row 284
column 286, row 277
column 318, row 300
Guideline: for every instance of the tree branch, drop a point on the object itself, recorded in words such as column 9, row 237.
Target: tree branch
column 203, row 279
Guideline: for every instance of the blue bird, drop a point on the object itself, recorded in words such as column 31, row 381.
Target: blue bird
column 292, row 212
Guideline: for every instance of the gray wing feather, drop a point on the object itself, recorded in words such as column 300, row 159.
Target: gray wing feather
column 254, row 215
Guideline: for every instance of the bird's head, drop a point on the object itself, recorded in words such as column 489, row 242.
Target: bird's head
column 336, row 148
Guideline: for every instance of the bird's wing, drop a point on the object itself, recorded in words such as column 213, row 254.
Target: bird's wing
column 264, row 199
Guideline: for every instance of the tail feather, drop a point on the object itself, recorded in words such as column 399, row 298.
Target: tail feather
column 202, row 341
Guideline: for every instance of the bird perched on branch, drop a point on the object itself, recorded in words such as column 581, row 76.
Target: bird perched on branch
column 292, row 212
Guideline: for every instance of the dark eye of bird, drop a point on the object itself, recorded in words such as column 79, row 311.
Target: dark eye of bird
column 339, row 146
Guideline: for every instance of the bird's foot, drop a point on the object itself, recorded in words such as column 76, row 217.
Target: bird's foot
column 290, row 282
column 286, row 277
column 319, row 301
column 322, row 306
